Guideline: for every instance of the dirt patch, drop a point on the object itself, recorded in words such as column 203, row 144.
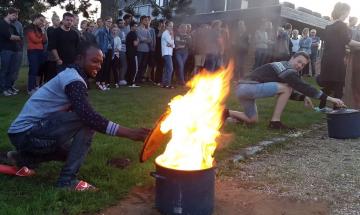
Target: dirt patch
column 120, row 163
column 232, row 197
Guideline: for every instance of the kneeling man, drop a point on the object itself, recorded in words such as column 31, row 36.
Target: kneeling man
column 279, row 79
column 58, row 123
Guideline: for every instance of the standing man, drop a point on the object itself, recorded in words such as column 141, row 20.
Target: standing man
column 19, row 55
column 128, row 18
column 10, row 45
column 106, row 44
column 143, row 48
column 314, row 50
column 132, row 42
column 122, row 54
column 64, row 42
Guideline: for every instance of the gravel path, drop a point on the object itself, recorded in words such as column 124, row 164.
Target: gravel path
column 313, row 167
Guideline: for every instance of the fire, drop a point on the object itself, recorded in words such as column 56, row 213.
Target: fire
column 194, row 121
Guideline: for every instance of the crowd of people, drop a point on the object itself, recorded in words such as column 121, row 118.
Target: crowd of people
column 58, row 122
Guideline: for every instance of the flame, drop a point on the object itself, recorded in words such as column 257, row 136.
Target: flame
column 194, row 120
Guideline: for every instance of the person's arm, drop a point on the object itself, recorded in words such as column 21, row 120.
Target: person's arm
column 31, row 36
column 290, row 77
column 354, row 44
column 77, row 94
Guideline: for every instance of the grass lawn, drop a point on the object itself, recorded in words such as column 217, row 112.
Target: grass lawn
column 131, row 107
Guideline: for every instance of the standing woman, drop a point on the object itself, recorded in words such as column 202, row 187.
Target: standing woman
column 181, row 52
column 167, row 46
column 305, row 46
column 36, row 38
column 336, row 36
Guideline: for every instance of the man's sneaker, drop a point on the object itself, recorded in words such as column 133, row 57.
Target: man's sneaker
column 122, row 83
column 323, row 110
column 8, row 158
column 77, row 185
column 14, row 89
column 7, row 93
column 116, row 86
column 134, row 86
column 31, row 92
column 277, row 125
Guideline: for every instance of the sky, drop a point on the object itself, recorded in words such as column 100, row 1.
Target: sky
column 321, row 6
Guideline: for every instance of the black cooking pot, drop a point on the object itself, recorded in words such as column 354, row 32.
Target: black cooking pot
column 184, row 192
column 344, row 123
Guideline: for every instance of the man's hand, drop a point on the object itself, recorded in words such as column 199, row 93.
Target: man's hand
column 308, row 103
column 137, row 134
column 336, row 102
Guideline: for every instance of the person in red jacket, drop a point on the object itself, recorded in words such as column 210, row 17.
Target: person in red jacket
column 36, row 38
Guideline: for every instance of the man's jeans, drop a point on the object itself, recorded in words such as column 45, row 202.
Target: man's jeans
column 8, row 68
column 167, row 75
column 62, row 136
column 181, row 56
column 15, row 76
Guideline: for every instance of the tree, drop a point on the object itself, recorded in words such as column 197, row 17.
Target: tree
column 30, row 7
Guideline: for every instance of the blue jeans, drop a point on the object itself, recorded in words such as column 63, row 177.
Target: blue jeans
column 62, row 136
column 261, row 55
column 212, row 62
column 181, row 56
column 8, row 68
column 36, row 59
column 167, row 75
column 248, row 93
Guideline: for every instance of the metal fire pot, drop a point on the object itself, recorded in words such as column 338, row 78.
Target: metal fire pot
column 344, row 123
column 189, row 192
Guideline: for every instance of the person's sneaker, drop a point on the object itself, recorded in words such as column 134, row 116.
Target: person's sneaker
column 14, row 89
column 277, row 125
column 116, row 86
column 100, row 87
column 134, row 86
column 9, row 158
column 7, row 93
column 122, row 83
column 323, row 110
column 31, row 92
column 77, row 185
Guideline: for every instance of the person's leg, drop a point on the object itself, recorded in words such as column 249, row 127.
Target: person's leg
column 115, row 66
column 180, row 63
column 15, row 73
column 5, row 57
column 13, row 69
column 284, row 93
column 33, row 57
column 168, row 70
column 159, row 69
column 313, row 64
column 46, row 138
column 123, row 66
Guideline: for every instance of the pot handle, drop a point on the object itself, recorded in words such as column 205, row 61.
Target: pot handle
column 157, row 176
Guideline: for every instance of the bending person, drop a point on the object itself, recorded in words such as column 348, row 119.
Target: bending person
column 58, row 122
column 281, row 79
